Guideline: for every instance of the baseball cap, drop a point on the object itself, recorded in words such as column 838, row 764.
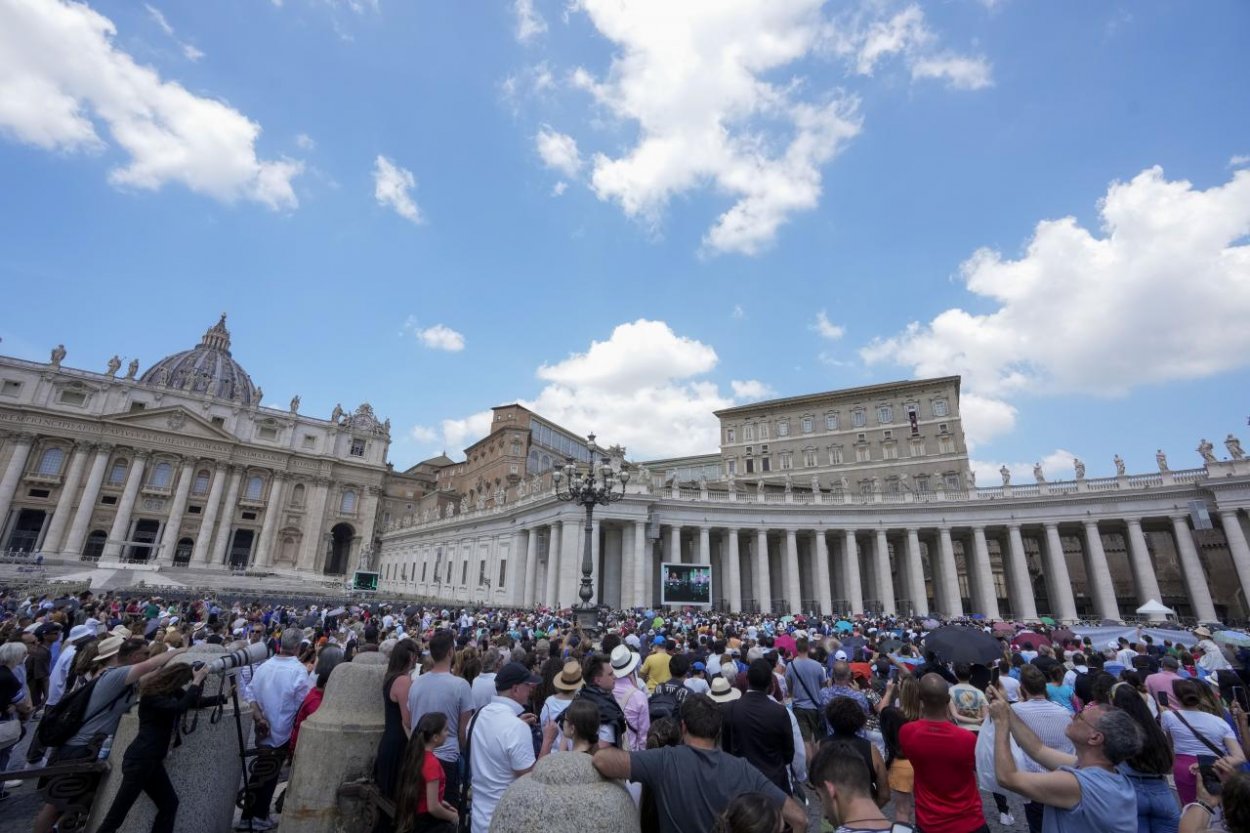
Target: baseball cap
column 840, row 655
column 514, row 673
column 659, row 640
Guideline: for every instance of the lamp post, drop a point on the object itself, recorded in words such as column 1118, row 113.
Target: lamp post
column 589, row 488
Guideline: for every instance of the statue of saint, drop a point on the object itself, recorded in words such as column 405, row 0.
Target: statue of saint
column 703, row 483
column 295, row 404
column 132, row 368
column 162, row 376
column 815, row 485
column 1161, row 459
column 1207, row 451
column 1005, row 473
column 759, row 489
column 114, row 365
column 1119, row 466
column 337, row 416
column 733, row 484
column 1037, row 473
column 1080, row 468
column 972, row 479
column 789, row 482
column 58, row 355
column 845, row 484
column 1234, row 447
column 260, row 394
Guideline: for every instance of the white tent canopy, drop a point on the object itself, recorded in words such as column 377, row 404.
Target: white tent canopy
column 1154, row 608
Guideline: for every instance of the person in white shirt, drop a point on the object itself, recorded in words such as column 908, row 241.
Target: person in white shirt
column 278, row 687
column 1078, row 667
column 1212, row 658
column 1125, row 654
column 501, row 746
column 484, row 683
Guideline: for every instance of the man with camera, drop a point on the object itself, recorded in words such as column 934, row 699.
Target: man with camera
column 278, row 687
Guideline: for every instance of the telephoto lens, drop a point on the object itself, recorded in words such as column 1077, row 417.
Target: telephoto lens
column 250, row 655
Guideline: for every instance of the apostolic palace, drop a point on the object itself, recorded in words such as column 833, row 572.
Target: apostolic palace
column 845, row 501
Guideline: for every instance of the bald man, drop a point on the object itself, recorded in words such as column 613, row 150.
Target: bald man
column 944, row 759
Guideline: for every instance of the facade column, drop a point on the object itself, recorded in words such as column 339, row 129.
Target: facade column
column 705, row 545
column 169, row 541
column 518, row 570
column 553, row 564
column 65, row 506
column 125, row 507
column 674, row 544
column 1144, row 577
column 1062, row 601
column 762, row 584
column 269, row 526
column 572, row 536
column 1023, row 602
column 733, row 571
column 641, row 565
column 1238, row 548
column 885, row 580
column 368, row 526
column 987, row 596
column 854, row 588
column 530, row 575
column 952, row 602
column 823, row 593
column 794, row 591
column 204, row 538
column 312, row 545
column 1191, row 568
column 915, row 574
column 13, row 475
column 1100, row 573
column 86, row 506
column 225, row 518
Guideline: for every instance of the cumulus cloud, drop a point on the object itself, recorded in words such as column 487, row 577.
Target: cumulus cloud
column 529, row 23
column 827, row 329
column 305, row 142
column 960, row 72
column 440, row 337
column 751, row 390
column 1056, row 465
column 1160, row 293
column 1239, row 160
column 61, row 76
column 188, row 50
column 393, row 187
column 423, row 434
column 558, row 151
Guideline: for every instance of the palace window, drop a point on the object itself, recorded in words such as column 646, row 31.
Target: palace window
column 748, row 432
column 922, row 484
column 951, row 480
column 730, row 435
column 347, row 504
column 940, row 408
column 358, row 448
column 464, row 572
column 809, row 457
column 917, row 448
column 750, row 466
column 835, row 455
column 310, row 441
column 73, row 397
column 889, row 451
column 162, row 473
column 859, row 418
column 503, row 571
column 117, row 475
column 200, row 486
column 763, row 430
column 764, row 464
column 862, row 454
column 10, row 388
column 50, row 462
column 787, row 461
column 731, row 466
column 481, row 572
column 267, row 432
column 885, row 414
column 946, row 445
column 891, row 486
column 783, row 428
column 865, row 487
column 297, row 495
column 831, row 421
column 255, row 487
column 809, row 424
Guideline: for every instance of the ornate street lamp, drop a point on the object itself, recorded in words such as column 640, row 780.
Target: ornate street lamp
column 590, row 488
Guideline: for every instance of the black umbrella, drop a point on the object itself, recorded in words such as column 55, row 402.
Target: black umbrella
column 411, row 610
column 888, row 645
column 953, row 643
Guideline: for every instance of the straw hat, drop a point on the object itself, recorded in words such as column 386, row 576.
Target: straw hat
column 122, row 631
column 569, row 678
column 109, row 646
column 1202, row 632
column 723, row 692
column 624, row 661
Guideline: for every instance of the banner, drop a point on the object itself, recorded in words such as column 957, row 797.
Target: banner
column 685, row 584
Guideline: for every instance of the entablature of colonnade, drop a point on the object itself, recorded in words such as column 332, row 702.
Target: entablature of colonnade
column 535, row 511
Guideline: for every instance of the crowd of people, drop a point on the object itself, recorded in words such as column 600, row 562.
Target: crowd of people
column 734, row 723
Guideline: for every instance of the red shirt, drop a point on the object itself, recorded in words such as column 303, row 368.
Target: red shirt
column 944, row 759
column 312, row 702
column 431, row 771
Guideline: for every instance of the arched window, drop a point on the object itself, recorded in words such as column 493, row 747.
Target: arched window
column 162, row 473
column 348, row 504
column 255, row 486
column 200, row 487
column 297, row 495
column 117, row 474
column 50, row 462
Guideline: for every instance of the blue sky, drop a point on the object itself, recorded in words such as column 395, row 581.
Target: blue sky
column 627, row 215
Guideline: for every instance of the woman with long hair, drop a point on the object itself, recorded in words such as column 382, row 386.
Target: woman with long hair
column 394, row 740
column 1147, row 771
column 901, row 775
column 749, row 813
column 419, row 806
column 909, row 696
column 1194, row 731
column 163, row 697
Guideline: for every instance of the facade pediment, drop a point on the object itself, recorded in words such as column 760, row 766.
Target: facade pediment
column 174, row 419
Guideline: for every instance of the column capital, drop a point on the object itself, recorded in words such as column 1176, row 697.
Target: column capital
column 104, row 448
column 25, row 437
column 1049, row 525
column 84, row 446
column 142, row 453
column 280, row 477
column 324, row 482
column 1090, row 522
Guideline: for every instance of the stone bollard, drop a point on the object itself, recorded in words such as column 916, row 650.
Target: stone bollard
column 204, row 768
column 337, row 744
column 565, row 794
column 371, row 658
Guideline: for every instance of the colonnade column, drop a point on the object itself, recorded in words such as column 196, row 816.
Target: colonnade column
column 225, row 519
column 530, row 576
column 65, row 505
column 762, row 588
column 850, row 555
column 169, row 541
column 1100, row 574
column 13, row 474
column 626, row 532
column 915, row 572
column 126, row 506
column 987, row 596
column 794, row 592
column 1144, row 578
column 951, row 601
column 674, row 543
column 554, row 542
column 733, row 566
column 705, row 545
column 312, row 544
column 823, row 593
column 1191, row 568
column 641, row 565
column 269, row 526
column 1058, row 581
column 519, row 552
column 1023, row 603
column 885, row 580
column 86, row 506
column 1238, row 548
column 571, row 536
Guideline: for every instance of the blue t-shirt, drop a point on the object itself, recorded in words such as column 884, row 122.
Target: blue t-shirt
column 1061, row 694
column 1108, row 805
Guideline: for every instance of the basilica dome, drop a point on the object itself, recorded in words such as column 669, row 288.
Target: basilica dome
column 207, row 369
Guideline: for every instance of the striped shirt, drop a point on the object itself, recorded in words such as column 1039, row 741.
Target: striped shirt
column 1048, row 721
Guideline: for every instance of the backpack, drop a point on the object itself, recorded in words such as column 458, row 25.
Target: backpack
column 64, row 720
column 664, row 702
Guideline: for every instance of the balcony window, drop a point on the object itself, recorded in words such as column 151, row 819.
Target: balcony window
column 358, row 448
column 809, row 424
column 859, row 418
column 940, row 408
column 50, row 462
column 885, row 415
column 730, row 435
column 783, row 428
column 831, row 422
column 117, row 474
column 255, row 487
column 162, row 473
column 347, row 504
column 200, row 486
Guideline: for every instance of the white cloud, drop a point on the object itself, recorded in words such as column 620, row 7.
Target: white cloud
column 1239, row 160
column 61, row 76
column 305, row 142
column 458, row 433
column 558, row 151
column 751, row 390
column 960, row 72
column 423, row 434
column 1056, row 465
column 882, row 38
column 188, row 50
column 826, row 328
column 392, row 188
column 738, row 313
column 559, row 188
column 529, row 23
column 1161, row 294
column 440, row 337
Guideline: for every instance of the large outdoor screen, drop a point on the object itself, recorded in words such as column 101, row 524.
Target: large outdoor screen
column 686, row 584
column 365, row 580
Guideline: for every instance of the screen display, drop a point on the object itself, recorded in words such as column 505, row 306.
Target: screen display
column 363, row 580
column 686, row 584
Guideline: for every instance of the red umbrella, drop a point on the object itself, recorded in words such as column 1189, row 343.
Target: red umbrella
column 1030, row 640
column 1062, row 635
column 1004, row 628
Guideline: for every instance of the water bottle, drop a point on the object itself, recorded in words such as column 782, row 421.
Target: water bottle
column 105, row 748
